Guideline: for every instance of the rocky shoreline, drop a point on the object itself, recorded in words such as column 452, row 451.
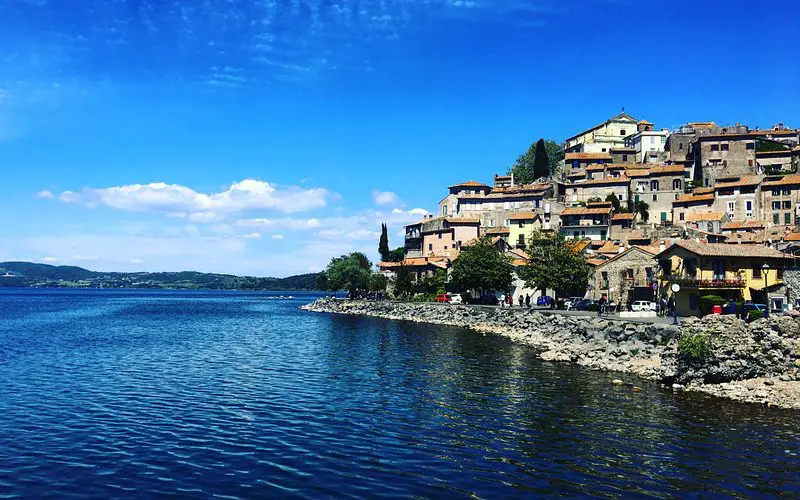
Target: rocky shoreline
column 757, row 362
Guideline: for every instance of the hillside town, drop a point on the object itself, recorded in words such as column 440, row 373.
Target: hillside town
column 713, row 209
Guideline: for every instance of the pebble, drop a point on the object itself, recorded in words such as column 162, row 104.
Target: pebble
column 769, row 382
column 616, row 381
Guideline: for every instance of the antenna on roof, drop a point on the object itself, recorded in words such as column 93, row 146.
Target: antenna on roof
column 623, row 109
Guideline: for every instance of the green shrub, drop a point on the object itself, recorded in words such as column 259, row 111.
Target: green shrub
column 755, row 314
column 706, row 302
column 695, row 346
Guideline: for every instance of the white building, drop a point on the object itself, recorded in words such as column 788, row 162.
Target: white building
column 648, row 143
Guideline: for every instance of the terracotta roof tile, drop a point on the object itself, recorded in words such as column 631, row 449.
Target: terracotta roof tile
column 595, row 262
column 704, row 216
column 725, row 250
column 498, row 230
column 585, row 211
column 587, row 156
column 625, row 216
column 577, row 245
column 743, row 224
column 748, row 180
column 703, row 190
column 693, row 198
column 666, row 169
column 787, row 180
column 622, row 179
column 462, row 220
column 469, row 184
column 523, row 216
column 639, row 172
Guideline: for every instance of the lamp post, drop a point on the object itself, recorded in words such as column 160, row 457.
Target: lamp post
column 765, row 272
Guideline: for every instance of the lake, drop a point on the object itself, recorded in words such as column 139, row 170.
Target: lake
column 112, row 394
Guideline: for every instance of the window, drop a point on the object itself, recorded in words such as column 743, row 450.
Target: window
column 748, row 208
column 680, row 145
column 663, row 139
column 663, row 216
column 715, row 147
column 538, row 203
column 776, row 218
column 440, row 236
column 750, row 145
column 710, row 227
column 787, row 205
column 677, row 196
column 666, row 267
column 445, row 247
column 731, row 207
column 507, row 222
column 677, row 184
column 491, row 222
column 653, row 185
column 624, row 157
column 620, row 197
column 575, row 235
column 652, row 140
column 776, row 205
column 521, row 224
column 622, row 132
column 780, row 273
column 787, row 218
column 680, row 217
column 724, row 147
column 521, row 240
column 583, row 234
column 604, row 150
column 655, row 197
column 776, row 192
column 459, row 243
column 602, row 235
column 576, row 164
column 444, row 210
column 691, row 267
column 786, row 191
column 749, row 163
column 430, row 246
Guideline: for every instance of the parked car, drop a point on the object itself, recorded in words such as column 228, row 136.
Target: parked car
column 443, row 298
column 490, row 299
column 583, row 305
column 571, row 301
column 753, row 307
column 455, row 298
column 643, row 305
column 544, row 300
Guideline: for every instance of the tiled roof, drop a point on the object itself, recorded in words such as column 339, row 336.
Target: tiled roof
column 692, row 198
column 609, row 247
column 787, row 180
column 639, row 172
column 703, row 190
column 462, row 220
column 577, row 245
column 705, row 216
column 792, row 237
column 725, row 250
column 747, row 180
column 666, row 169
column 416, row 262
column 498, row 230
column 469, row 184
column 595, row 167
column 523, row 216
column 587, row 156
column 623, row 150
column 623, row 216
column 599, row 204
column 743, row 224
column 595, row 262
column 622, row 179
column 645, row 122
column 585, row 211
column 702, row 125
column 785, row 152
column 774, row 132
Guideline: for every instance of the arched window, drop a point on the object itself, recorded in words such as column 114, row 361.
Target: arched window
column 677, row 185
column 653, row 185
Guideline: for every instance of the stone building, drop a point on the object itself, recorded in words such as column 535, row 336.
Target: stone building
column 586, row 223
column 778, row 162
column 725, row 154
column 624, row 155
column 699, row 200
column 706, row 222
column 627, row 276
column 603, row 137
column 575, row 164
column 658, row 186
column 648, row 143
column 738, row 197
column 781, row 200
column 583, row 191
column 444, row 236
column 522, row 224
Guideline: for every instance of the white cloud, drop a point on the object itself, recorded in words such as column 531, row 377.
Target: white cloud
column 356, row 235
column 45, row 195
column 181, row 201
column 251, row 236
column 135, row 261
column 51, row 260
column 385, row 197
column 84, row 258
column 283, row 223
column 278, row 236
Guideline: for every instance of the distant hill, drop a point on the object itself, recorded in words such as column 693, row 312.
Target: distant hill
column 29, row 274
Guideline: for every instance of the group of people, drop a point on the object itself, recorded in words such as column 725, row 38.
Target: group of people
column 507, row 300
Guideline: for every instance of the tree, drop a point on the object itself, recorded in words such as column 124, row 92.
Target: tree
column 554, row 264
column 481, row 266
column 383, row 244
column 322, row 282
column 349, row 272
column 614, row 201
column 435, row 284
column 396, row 255
column 378, row 282
column 524, row 168
column 643, row 209
column 541, row 165
column 403, row 282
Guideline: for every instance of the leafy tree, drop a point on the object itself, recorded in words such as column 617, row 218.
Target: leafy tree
column 524, row 169
column 643, row 209
column 594, row 199
column 349, row 272
column 435, row 284
column 396, row 255
column 554, row 264
column 481, row 266
column 614, row 201
column 403, row 282
column 383, row 244
column 378, row 282
column 322, row 282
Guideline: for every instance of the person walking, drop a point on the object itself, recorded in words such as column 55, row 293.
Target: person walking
column 528, row 300
column 521, row 300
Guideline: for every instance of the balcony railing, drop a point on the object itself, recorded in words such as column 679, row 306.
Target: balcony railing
column 704, row 283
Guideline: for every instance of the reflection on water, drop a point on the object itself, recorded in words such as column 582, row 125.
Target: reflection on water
column 110, row 393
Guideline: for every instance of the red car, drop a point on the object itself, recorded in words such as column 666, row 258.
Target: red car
column 445, row 297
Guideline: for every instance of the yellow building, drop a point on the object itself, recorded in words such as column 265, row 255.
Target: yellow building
column 738, row 272
column 520, row 227
column 602, row 138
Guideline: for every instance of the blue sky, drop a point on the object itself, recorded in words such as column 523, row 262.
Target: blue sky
column 265, row 136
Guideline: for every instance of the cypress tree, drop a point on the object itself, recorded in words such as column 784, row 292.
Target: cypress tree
column 383, row 244
column 541, row 164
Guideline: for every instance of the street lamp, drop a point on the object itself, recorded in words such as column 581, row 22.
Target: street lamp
column 765, row 272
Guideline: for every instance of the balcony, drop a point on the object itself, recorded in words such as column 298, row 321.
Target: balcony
column 689, row 282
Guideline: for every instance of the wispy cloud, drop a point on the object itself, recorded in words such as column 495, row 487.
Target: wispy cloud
column 45, row 195
column 181, row 201
column 385, row 197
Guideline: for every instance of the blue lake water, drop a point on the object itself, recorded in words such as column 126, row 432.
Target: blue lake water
column 108, row 394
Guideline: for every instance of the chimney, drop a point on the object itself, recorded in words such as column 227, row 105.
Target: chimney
column 661, row 246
